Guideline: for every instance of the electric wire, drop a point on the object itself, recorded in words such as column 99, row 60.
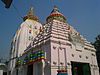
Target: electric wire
column 19, row 13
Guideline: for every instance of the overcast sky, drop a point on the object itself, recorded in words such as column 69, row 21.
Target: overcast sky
column 83, row 15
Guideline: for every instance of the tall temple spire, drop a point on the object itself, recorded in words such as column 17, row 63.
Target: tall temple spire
column 31, row 15
column 55, row 14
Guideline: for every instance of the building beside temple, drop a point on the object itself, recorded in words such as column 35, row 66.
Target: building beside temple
column 54, row 48
column 3, row 67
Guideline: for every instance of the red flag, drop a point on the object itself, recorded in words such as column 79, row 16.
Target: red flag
column 7, row 3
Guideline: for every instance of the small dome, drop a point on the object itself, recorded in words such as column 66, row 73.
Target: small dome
column 31, row 15
column 55, row 14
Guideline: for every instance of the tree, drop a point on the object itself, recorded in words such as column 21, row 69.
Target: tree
column 97, row 47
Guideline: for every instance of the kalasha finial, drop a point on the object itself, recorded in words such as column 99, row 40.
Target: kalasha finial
column 31, row 15
column 55, row 9
column 31, row 11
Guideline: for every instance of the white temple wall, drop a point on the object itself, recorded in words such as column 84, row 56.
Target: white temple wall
column 47, row 48
column 96, row 72
column 72, row 54
column 24, row 37
column 53, row 71
column 64, row 57
column 54, row 54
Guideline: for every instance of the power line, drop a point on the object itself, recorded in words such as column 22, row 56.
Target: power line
column 18, row 13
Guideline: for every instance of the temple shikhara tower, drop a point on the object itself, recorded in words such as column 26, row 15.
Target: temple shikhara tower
column 53, row 48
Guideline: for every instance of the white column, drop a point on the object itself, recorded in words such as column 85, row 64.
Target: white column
column 43, row 66
column 1, row 72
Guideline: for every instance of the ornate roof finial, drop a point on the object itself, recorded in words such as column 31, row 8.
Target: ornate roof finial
column 31, row 11
column 30, row 15
column 55, row 9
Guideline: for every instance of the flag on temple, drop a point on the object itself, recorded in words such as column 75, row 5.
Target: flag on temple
column 7, row 3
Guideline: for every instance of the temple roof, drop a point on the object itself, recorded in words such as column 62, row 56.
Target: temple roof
column 30, row 15
column 55, row 14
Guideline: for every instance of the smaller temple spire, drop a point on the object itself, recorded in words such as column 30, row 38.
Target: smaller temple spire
column 55, row 14
column 31, row 15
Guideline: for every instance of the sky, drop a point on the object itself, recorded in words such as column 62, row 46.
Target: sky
column 83, row 15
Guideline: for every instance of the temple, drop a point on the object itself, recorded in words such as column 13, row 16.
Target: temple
column 53, row 48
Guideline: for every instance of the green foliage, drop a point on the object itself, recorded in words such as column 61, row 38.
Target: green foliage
column 97, row 47
column 97, row 43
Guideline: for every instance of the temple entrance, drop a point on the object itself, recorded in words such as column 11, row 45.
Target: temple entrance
column 80, row 68
column 4, row 73
column 30, row 69
column 37, row 68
